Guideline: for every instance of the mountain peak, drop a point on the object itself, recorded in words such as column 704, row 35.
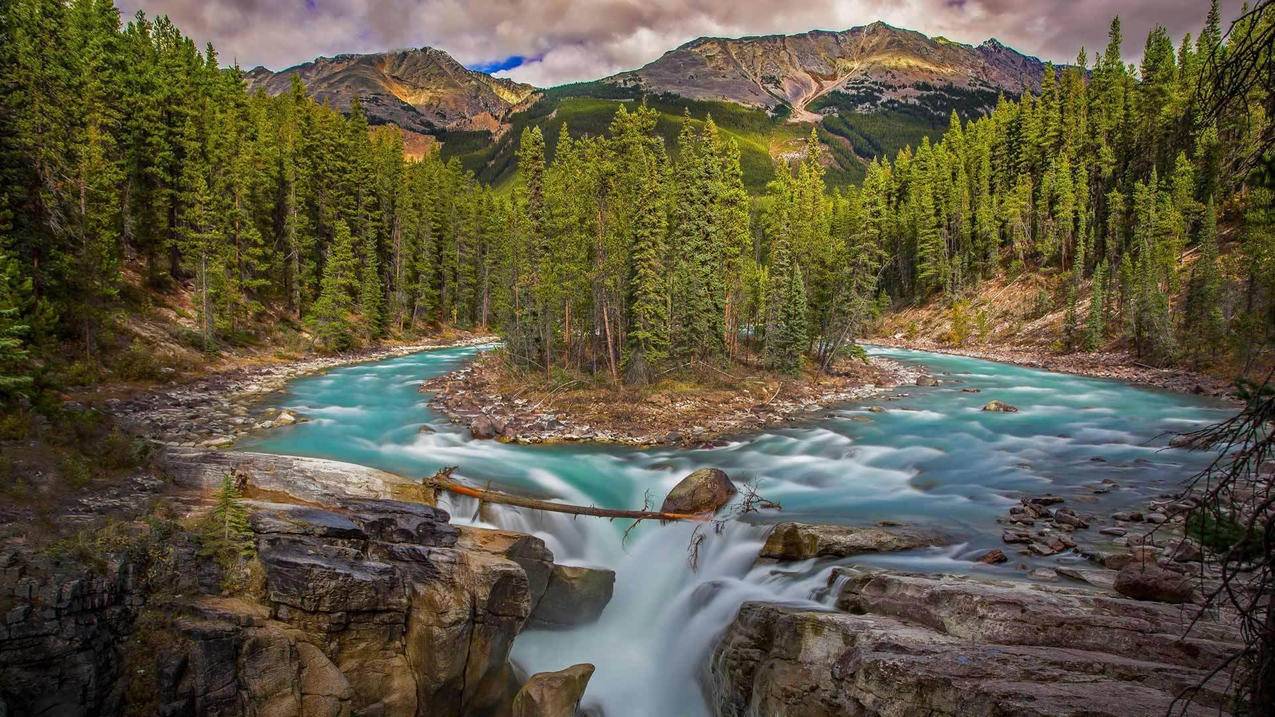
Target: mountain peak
column 419, row 89
column 877, row 62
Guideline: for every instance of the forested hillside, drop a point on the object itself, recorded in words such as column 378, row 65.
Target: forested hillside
column 137, row 169
column 135, row 166
column 1111, row 179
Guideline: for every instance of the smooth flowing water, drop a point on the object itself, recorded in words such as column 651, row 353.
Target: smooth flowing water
column 932, row 458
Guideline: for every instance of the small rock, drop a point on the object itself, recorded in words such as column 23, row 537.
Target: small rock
column 997, row 406
column 484, row 427
column 1130, row 517
column 1015, row 537
column 924, row 380
column 1041, row 549
column 1188, row 441
column 994, row 556
column 876, row 409
column 1184, row 551
column 970, row 389
column 1115, row 531
column 1098, row 578
column 1066, row 516
column 1044, row 574
column 1156, row 518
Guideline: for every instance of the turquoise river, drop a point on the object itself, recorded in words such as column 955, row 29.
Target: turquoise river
column 933, row 458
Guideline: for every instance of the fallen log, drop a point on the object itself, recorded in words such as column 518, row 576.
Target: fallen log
column 442, row 481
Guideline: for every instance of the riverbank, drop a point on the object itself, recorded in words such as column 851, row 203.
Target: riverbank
column 217, row 409
column 497, row 401
column 1117, row 365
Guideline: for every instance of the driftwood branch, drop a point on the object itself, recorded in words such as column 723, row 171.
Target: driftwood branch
column 442, row 481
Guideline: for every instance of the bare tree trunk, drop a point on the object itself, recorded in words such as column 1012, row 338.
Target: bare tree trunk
column 442, row 481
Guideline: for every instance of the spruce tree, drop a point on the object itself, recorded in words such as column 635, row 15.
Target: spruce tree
column 786, row 338
column 648, row 303
column 15, row 359
column 1204, row 328
column 1095, row 326
column 331, row 313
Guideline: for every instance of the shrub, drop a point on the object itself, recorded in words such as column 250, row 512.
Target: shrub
column 961, row 324
column 1220, row 532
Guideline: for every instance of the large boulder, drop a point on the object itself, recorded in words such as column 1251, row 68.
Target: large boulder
column 1145, row 580
column 946, row 645
column 527, row 551
column 704, row 491
column 553, row 694
column 799, row 541
column 574, row 596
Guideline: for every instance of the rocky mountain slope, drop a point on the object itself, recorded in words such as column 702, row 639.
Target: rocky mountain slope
column 872, row 64
column 421, row 90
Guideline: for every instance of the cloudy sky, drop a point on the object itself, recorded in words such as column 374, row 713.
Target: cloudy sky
column 548, row 42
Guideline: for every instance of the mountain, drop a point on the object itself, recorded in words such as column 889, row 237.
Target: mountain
column 422, row 90
column 873, row 67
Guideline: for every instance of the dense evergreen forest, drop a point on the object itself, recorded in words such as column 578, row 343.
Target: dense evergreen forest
column 130, row 158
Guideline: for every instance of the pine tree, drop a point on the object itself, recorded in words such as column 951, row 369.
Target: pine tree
column 1095, row 326
column 331, row 313
column 15, row 358
column 648, row 304
column 1203, row 325
column 370, row 308
column 786, row 337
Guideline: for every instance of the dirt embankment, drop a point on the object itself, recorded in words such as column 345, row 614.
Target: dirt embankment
column 1020, row 321
column 498, row 401
column 1119, row 365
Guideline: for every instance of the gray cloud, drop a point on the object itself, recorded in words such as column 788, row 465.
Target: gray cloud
column 569, row 40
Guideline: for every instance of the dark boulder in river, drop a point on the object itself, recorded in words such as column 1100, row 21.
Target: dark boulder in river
column 704, row 491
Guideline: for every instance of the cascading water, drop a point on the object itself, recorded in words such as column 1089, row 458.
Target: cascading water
column 933, row 458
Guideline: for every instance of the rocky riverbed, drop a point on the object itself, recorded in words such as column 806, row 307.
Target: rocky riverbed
column 214, row 411
column 1118, row 365
column 480, row 397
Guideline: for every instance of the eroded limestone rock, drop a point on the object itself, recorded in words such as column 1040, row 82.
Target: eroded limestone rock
column 799, row 541
column 553, row 694
column 958, row 646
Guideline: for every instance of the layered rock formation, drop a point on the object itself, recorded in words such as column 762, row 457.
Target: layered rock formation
column 365, row 605
column 943, row 645
column 422, row 90
column 872, row 65
column 800, row 541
